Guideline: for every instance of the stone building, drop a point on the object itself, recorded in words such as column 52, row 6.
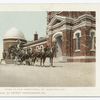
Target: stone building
column 11, row 37
column 74, row 34
column 37, row 43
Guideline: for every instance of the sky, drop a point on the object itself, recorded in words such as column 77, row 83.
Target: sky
column 27, row 22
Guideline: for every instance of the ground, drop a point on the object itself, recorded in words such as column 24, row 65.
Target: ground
column 62, row 74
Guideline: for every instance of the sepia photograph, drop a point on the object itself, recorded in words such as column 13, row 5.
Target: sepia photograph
column 47, row 48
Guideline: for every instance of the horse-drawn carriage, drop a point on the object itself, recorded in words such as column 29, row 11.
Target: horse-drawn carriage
column 19, row 55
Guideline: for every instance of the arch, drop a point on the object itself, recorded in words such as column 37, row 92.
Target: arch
column 92, row 39
column 37, row 47
column 92, row 30
column 41, row 46
column 30, row 48
column 57, row 38
column 77, row 31
column 76, row 36
column 56, row 35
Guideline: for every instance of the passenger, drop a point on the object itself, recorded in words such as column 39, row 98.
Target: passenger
column 19, row 44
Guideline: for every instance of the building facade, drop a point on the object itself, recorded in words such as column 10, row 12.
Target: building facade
column 36, row 44
column 74, row 35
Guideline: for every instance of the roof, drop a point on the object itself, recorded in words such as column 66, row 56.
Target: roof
column 14, row 33
column 35, row 42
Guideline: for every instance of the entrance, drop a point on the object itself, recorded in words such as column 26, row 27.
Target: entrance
column 58, row 40
column 59, row 46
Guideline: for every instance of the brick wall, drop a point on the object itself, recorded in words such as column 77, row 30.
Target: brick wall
column 69, row 43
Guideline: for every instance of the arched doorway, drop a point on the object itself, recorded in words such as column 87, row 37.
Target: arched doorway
column 57, row 38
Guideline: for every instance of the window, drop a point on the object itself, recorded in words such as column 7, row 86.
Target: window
column 92, row 39
column 42, row 47
column 37, row 47
column 77, row 41
column 76, row 37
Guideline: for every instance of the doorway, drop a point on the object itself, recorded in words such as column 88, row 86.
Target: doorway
column 58, row 40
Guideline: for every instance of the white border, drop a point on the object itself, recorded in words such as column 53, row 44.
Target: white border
column 60, row 91
column 49, row 1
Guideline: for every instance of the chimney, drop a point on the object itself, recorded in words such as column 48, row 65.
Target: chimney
column 35, row 36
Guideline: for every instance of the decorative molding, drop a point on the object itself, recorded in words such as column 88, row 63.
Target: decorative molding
column 82, row 57
column 68, row 27
column 82, row 24
column 56, row 17
column 65, row 20
column 71, row 20
column 83, row 17
column 58, row 25
column 56, row 35
column 64, row 27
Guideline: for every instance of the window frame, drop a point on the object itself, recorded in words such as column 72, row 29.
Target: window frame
column 76, row 40
column 93, row 40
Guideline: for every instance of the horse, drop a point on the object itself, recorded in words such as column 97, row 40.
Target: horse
column 37, row 55
column 50, row 55
column 16, row 54
column 43, row 55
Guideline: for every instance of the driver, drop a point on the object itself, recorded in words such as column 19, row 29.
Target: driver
column 19, row 44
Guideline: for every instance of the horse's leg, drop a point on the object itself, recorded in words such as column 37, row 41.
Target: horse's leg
column 30, row 61
column 51, row 61
column 34, row 59
column 40, row 61
column 44, row 60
